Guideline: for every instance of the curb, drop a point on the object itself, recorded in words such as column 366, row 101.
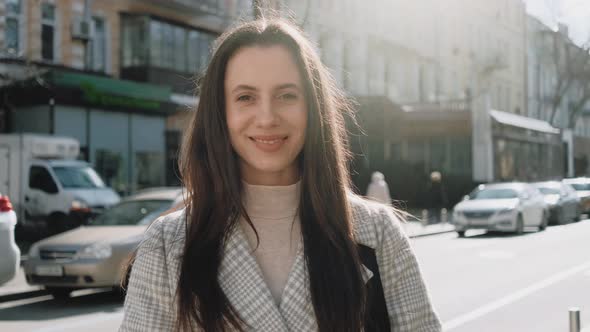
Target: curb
column 431, row 233
column 23, row 295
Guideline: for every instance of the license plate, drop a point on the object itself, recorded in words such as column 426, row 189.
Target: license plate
column 49, row 270
column 478, row 222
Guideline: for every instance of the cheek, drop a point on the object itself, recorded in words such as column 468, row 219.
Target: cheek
column 234, row 122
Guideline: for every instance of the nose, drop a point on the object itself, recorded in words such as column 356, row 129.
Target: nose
column 267, row 115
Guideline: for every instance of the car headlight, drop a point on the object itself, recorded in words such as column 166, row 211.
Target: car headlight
column 79, row 205
column 457, row 214
column 95, row 251
column 34, row 251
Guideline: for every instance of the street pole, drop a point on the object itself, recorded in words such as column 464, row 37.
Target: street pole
column 574, row 320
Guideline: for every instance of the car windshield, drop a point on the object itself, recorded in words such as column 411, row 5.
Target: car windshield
column 549, row 191
column 140, row 212
column 494, row 194
column 581, row 186
column 78, row 177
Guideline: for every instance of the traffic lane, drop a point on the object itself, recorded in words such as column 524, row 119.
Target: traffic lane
column 462, row 274
column 47, row 314
column 545, row 310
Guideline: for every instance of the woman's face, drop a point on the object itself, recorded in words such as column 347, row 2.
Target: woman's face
column 266, row 113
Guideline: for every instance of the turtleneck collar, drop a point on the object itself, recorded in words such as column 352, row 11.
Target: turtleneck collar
column 271, row 202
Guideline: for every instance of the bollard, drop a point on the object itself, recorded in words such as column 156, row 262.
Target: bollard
column 424, row 217
column 574, row 320
column 444, row 216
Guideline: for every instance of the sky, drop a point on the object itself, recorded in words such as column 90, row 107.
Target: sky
column 574, row 13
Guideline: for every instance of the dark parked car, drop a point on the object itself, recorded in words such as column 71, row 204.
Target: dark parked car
column 562, row 200
column 582, row 187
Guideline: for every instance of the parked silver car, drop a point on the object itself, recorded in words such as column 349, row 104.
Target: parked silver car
column 582, row 187
column 505, row 207
column 562, row 200
column 94, row 255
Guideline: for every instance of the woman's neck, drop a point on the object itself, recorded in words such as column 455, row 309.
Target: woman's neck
column 285, row 177
column 271, row 202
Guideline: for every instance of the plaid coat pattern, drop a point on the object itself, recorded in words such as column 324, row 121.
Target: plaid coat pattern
column 150, row 303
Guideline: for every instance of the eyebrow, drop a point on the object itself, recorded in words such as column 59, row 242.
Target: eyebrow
column 280, row 87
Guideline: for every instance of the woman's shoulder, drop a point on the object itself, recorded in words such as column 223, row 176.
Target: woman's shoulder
column 167, row 228
column 372, row 219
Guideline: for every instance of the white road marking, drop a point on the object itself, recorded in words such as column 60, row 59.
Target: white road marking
column 495, row 305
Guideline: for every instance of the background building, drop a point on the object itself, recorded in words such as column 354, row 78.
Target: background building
column 116, row 75
column 447, row 82
column 559, row 91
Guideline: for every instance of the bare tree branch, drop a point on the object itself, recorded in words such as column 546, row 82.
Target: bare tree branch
column 572, row 71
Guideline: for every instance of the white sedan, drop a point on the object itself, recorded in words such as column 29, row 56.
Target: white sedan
column 504, row 207
column 10, row 257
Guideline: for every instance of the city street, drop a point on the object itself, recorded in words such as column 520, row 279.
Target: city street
column 485, row 282
column 495, row 282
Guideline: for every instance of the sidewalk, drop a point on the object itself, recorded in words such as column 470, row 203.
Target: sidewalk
column 417, row 229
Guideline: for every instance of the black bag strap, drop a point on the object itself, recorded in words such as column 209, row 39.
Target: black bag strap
column 376, row 317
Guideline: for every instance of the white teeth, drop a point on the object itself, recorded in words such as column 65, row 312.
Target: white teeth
column 267, row 141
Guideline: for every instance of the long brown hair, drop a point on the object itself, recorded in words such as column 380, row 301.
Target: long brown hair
column 211, row 174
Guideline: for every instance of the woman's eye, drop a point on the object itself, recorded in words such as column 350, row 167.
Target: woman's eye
column 288, row 97
column 245, row 98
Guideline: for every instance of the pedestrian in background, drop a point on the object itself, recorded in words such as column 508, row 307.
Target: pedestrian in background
column 378, row 190
column 272, row 237
column 437, row 197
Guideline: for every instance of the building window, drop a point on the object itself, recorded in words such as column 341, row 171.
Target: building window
column 150, row 169
column 13, row 18
column 460, row 156
column 99, row 45
column 193, row 48
column 134, row 46
column 167, row 46
column 179, row 49
column 173, row 47
column 156, row 43
column 48, row 32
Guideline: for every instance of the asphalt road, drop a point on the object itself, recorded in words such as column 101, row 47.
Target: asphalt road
column 485, row 282
column 495, row 282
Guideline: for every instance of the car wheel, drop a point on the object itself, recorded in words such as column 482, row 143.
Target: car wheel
column 461, row 234
column 578, row 216
column 59, row 293
column 119, row 292
column 519, row 225
column 544, row 221
column 561, row 218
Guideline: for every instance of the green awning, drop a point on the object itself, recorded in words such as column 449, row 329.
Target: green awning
column 113, row 93
column 112, row 86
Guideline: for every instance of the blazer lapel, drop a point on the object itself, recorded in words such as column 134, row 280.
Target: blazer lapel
column 296, row 307
column 242, row 282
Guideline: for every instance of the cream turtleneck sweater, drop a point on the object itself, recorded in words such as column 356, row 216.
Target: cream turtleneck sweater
column 273, row 211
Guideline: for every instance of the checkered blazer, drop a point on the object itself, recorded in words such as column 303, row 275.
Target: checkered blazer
column 150, row 303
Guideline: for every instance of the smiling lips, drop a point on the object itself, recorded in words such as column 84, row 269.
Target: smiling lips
column 269, row 143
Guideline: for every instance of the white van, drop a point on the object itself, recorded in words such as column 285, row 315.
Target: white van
column 45, row 181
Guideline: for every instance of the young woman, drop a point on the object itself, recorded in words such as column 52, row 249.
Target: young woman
column 272, row 239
